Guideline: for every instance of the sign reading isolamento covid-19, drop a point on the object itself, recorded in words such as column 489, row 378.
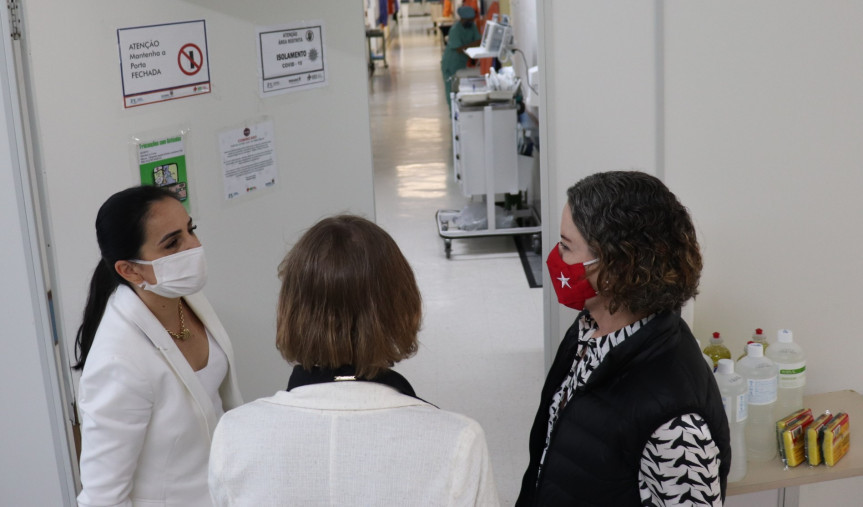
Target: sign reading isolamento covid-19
column 291, row 57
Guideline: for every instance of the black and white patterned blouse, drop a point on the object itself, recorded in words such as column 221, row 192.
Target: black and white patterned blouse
column 680, row 462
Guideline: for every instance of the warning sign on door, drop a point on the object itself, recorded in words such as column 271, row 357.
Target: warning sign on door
column 163, row 62
column 291, row 58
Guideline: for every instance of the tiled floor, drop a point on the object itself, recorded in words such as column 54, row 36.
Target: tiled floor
column 481, row 352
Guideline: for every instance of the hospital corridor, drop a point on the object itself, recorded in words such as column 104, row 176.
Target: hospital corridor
column 613, row 192
column 481, row 338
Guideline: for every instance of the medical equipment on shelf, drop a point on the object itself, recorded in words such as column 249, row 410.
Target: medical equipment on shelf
column 532, row 98
column 486, row 162
column 486, row 148
column 496, row 41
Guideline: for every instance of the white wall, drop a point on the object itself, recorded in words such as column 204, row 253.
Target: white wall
column 83, row 134
column 32, row 436
column 598, row 108
column 763, row 126
column 758, row 127
column 764, row 121
column 523, row 21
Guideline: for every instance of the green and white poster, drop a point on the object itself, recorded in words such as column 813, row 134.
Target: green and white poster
column 162, row 162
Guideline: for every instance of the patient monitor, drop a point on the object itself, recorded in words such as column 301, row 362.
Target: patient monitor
column 496, row 40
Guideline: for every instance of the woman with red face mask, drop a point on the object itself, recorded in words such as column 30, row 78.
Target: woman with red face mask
column 630, row 413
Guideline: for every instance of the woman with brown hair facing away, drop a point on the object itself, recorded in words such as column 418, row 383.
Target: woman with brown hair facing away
column 348, row 430
column 630, row 413
column 158, row 367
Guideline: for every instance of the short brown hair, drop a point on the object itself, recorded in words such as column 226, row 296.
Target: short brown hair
column 349, row 297
column 649, row 259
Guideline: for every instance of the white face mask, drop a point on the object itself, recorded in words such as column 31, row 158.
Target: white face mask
column 177, row 275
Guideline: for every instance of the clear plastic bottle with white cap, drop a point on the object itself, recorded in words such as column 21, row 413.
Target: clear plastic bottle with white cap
column 762, row 377
column 791, row 361
column 757, row 337
column 735, row 398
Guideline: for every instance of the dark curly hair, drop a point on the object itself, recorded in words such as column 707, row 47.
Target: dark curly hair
column 649, row 260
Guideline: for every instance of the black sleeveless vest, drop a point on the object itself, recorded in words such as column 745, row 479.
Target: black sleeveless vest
column 595, row 452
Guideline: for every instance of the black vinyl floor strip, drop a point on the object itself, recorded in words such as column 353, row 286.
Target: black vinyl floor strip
column 530, row 261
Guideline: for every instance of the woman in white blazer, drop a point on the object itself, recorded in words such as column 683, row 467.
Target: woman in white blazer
column 348, row 430
column 157, row 364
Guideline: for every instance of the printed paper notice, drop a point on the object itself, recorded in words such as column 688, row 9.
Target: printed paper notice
column 291, row 58
column 162, row 162
column 163, row 62
column 248, row 159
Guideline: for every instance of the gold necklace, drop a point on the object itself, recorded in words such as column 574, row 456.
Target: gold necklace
column 183, row 334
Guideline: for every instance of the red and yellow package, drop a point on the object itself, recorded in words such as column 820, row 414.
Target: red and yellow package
column 814, row 438
column 837, row 439
column 783, row 423
column 793, row 440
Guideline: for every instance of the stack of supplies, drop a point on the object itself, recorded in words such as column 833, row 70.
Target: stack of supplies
column 791, row 435
column 837, row 439
column 815, row 438
column 825, row 439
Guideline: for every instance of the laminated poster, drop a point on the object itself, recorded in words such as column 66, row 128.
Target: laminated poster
column 248, row 159
column 291, row 58
column 163, row 62
column 162, row 162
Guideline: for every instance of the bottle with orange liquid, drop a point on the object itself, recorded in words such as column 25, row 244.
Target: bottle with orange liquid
column 717, row 350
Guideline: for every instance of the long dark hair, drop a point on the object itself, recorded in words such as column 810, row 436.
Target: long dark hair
column 120, row 230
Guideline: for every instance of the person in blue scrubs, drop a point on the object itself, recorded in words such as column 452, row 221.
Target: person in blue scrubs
column 462, row 35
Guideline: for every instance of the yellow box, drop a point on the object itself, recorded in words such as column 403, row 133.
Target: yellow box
column 783, row 423
column 793, row 440
column 837, row 439
column 814, row 438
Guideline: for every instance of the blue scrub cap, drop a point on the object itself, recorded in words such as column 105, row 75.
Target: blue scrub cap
column 465, row 12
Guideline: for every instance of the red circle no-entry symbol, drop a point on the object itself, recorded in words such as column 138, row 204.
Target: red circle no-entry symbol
column 190, row 59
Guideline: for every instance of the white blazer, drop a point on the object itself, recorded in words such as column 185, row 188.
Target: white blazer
column 146, row 420
column 349, row 444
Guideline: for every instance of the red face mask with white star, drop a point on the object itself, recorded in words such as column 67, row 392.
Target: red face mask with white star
column 569, row 280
